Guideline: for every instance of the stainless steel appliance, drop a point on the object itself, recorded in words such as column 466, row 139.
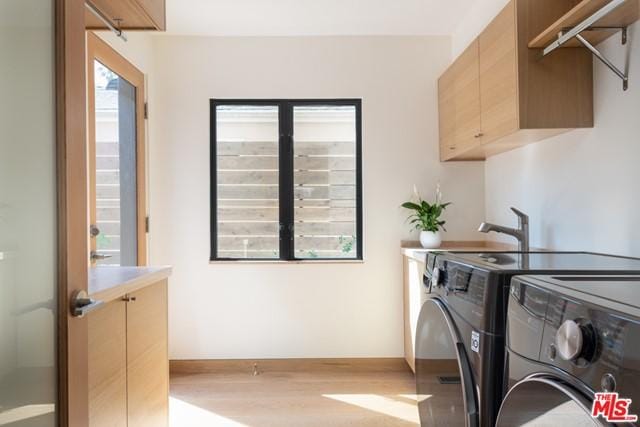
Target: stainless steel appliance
column 567, row 338
column 463, row 325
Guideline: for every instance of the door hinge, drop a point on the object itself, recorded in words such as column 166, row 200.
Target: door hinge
column 146, row 110
column 146, row 224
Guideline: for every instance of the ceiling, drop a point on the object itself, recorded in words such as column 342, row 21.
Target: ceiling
column 314, row 17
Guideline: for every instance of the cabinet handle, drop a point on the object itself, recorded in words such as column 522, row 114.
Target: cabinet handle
column 478, row 135
column 453, row 147
column 127, row 298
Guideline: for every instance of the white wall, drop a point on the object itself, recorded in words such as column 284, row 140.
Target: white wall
column 475, row 19
column 298, row 310
column 138, row 49
column 581, row 188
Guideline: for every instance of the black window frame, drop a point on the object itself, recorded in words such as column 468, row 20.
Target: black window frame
column 286, row 174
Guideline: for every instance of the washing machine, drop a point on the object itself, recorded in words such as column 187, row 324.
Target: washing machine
column 460, row 336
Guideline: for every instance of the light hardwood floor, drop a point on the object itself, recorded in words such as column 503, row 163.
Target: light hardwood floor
column 362, row 392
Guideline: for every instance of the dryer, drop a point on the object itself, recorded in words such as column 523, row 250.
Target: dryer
column 569, row 337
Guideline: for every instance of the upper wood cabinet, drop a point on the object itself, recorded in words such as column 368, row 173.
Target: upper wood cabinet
column 459, row 103
column 129, row 14
column 499, row 94
column 498, row 76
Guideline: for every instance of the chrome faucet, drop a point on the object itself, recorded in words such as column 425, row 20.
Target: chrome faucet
column 521, row 233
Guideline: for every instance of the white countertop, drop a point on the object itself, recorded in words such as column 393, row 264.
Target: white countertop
column 110, row 283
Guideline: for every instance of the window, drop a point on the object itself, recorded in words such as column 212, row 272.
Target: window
column 286, row 180
column 116, row 158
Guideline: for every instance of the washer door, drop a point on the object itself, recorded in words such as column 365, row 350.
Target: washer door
column 444, row 380
column 545, row 401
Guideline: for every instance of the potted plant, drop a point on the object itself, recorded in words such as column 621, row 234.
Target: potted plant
column 426, row 218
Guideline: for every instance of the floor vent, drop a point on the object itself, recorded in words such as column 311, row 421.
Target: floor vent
column 448, row 380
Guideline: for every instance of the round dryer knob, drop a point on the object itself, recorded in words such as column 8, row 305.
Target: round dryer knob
column 569, row 340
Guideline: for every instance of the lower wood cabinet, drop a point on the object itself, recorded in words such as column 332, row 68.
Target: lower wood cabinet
column 414, row 297
column 129, row 361
column 108, row 365
column 147, row 357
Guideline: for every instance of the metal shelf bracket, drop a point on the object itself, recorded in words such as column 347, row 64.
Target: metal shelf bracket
column 113, row 26
column 587, row 25
column 623, row 76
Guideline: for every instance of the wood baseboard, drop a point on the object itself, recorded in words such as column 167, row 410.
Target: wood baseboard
column 347, row 365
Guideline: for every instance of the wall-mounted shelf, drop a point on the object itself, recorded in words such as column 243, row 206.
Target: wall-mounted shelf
column 143, row 15
column 622, row 16
column 587, row 24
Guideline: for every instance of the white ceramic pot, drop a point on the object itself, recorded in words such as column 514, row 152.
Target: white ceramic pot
column 430, row 239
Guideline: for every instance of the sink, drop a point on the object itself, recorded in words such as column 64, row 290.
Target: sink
column 497, row 258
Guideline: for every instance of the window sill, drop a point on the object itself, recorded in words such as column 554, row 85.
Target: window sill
column 302, row 261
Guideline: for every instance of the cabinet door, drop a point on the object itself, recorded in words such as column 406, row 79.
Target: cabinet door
column 108, row 366
column 414, row 296
column 498, row 76
column 447, row 115
column 147, row 356
column 459, row 103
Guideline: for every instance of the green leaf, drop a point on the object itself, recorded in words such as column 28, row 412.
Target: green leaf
column 411, row 205
column 426, row 216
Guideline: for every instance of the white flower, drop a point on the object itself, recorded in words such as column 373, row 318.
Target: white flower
column 416, row 195
column 438, row 194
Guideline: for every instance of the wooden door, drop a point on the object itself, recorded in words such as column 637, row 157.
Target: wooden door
column 498, row 76
column 147, row 357
column 459, row 103
column 41, row 348
column 116, row 100
column 72, row 181
column 108, row 365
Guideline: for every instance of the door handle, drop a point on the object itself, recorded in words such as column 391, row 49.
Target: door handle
column 81, row 304
column 95, row 256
